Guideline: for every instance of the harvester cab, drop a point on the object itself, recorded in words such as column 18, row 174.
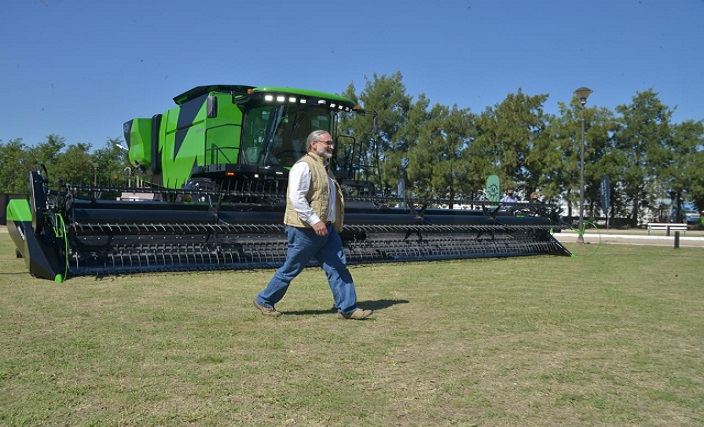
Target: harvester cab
column 238, row 137
column 217, row 166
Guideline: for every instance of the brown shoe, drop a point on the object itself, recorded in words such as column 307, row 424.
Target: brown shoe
column 267, row 311
column 358, row 314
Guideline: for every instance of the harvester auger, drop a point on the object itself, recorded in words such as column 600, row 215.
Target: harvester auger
column 214, row 173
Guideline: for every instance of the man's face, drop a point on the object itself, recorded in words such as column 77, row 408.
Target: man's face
column 323, row 146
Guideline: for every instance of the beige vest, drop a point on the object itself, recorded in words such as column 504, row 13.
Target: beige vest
column 318, row 195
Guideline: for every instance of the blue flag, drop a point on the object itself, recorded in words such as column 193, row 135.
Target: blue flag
column 605, row 190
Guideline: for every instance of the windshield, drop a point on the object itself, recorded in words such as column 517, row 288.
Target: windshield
column 275, row 135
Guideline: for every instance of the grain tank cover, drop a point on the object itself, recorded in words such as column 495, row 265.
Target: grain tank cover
column 204, row 90
column 138, row 135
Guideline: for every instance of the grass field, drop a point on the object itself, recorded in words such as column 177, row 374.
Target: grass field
column 612, row 339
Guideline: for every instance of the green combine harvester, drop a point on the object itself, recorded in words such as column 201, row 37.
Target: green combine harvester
column 213, row 174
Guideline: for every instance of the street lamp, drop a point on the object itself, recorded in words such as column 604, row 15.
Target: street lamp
column 95, row 180
column 582, row 93
column 95, row 174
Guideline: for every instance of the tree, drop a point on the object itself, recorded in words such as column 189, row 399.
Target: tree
column 75, row 166
column 356, row 145
column 554, row 157
column 505, row 135
column 408, row 138
column 17, row 161
column 47, row 152
column 642, row 140
column 112, row 162
column 684, row 171
column 14, row 167
column 386, row 96
column 437, row 167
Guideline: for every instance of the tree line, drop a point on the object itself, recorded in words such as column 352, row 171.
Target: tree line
column 71, row 163
column 447, row 152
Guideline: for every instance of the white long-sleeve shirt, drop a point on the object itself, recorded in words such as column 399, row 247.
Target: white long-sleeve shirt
column 298, row 186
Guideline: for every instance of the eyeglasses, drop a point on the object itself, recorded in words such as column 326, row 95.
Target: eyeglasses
column 328, row 143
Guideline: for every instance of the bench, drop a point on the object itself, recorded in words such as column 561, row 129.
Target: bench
column 667, row 226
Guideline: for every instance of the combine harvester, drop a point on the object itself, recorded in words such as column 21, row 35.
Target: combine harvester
column 214, row 171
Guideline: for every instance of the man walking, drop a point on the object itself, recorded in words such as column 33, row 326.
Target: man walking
column 313, row 218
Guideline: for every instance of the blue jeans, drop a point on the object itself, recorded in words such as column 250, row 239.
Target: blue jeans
column 303, row 245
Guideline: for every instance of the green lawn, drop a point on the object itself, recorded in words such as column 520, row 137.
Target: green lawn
column 611, row 339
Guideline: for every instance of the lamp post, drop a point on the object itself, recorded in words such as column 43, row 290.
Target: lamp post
column 95, row 180
column 582, row 93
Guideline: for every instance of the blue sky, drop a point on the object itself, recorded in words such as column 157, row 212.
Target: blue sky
column 81, row 68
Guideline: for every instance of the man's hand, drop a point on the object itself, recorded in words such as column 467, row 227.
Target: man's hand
column 320, row 229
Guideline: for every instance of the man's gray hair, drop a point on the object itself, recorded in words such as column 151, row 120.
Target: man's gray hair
column 315, row 136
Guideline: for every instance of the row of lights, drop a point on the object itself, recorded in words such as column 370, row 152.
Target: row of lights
column 293, row 99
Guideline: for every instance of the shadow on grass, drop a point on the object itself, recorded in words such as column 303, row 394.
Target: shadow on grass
column 381, row 304
column 375, row 305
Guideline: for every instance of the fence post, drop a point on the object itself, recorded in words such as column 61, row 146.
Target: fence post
column 677, row 239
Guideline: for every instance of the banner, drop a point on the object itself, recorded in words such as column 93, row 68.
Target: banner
column 605, row 190
column 493, row 192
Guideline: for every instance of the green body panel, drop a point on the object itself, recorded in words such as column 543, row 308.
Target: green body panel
column 177, row 162
column 19, row 210
column 223, row 132
column 140, row 134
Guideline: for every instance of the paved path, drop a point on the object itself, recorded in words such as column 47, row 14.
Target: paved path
column 691, row 239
